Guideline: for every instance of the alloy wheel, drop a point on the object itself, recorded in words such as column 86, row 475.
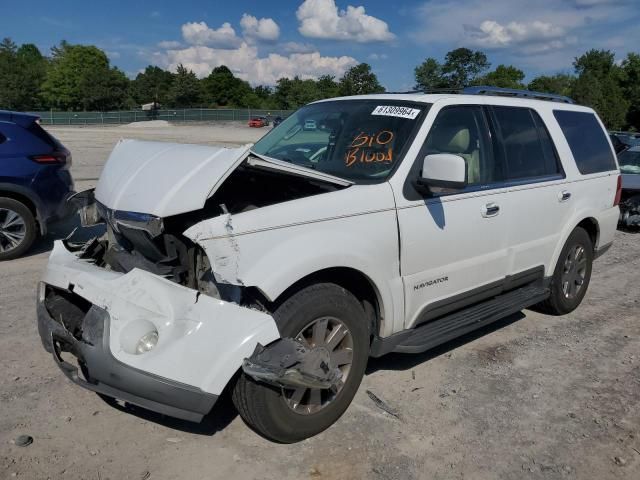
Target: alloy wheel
column 331, row 334
column 13, row 230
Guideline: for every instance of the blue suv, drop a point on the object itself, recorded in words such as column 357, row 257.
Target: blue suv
column 35, row 182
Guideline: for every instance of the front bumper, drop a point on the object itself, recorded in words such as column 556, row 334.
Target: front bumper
column 97, row 370
column 202, row 341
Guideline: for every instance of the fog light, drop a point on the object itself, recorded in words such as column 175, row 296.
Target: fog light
column 147, row 342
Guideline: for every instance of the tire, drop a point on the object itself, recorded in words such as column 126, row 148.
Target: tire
column 17, row 228
column 559, row 301
column 273, row 412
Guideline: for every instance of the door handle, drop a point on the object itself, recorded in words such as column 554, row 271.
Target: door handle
column 564, row 195
column 490, row 210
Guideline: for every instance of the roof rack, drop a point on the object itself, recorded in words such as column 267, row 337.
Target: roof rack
column 512, row 92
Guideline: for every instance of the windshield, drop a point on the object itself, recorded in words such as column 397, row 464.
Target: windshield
column 359, row 140
column 629, row 161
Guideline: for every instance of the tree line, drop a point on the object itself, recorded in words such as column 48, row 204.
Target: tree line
column 81, row 78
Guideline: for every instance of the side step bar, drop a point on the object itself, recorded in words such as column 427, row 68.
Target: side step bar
column 431, row 334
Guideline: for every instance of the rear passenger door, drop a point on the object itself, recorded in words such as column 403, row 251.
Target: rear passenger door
column 538, row 197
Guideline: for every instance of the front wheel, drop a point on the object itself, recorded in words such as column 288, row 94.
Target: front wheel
column 571, row 276
column 321, row 316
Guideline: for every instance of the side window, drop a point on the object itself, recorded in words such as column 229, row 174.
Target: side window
column 587, row 141
column 462, row 131
column 525, row 144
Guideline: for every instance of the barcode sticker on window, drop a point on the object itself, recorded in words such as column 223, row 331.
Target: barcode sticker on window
column 396, row 111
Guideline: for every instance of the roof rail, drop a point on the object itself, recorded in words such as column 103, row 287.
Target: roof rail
column 512, row 92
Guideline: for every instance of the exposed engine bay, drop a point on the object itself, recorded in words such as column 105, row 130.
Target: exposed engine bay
column 137, row 240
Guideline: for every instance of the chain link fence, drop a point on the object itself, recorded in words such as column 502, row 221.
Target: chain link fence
column 177, row 115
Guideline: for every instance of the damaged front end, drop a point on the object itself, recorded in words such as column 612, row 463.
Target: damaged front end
column 132, row 308
column 287, row 363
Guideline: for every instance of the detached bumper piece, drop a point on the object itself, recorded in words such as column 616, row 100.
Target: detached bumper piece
column 69, row 326
column 288, row 363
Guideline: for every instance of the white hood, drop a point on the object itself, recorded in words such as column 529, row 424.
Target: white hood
column 164, row 179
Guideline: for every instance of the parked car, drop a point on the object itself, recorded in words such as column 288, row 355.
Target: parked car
column 35, row 182
column 277, row 121
column 275, row 271
column 266, row 121
column 624, row 140
column 629, row 161
column 257, row 122
column 310, row 125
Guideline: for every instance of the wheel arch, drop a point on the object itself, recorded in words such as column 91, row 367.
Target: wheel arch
column 587, row 222
column 21, row 195
column 352, row 280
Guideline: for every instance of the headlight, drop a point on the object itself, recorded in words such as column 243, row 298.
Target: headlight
column 147, row 342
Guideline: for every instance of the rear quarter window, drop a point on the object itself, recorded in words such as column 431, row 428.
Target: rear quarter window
column 587, row 141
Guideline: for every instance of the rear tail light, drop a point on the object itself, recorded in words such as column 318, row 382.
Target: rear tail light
column 616, row 200
column 55, row 158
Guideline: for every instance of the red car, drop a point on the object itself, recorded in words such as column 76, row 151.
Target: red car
column 257, row 122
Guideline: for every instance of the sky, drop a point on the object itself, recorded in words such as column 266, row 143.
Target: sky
column 261, row 41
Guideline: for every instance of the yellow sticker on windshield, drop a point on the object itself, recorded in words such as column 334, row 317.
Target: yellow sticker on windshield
column 370, row 148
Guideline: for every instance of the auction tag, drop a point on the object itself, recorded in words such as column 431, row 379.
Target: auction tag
column 396, row 111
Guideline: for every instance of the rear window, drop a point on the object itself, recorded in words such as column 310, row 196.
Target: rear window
column 526, row 145
column 39, row 132
column 587, row 141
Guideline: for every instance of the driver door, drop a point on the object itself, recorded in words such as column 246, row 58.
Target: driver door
column 454, row 245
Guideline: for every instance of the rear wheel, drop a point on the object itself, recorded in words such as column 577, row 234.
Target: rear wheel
column 571, row 276
column 321, row 316
column 17, row 228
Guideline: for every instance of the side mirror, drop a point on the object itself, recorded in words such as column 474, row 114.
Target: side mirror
column 444, row 170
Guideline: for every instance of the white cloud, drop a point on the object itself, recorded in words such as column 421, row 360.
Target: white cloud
column 169, row 44
column 492, row 34
column 545, row 34
column 199, row 33
column 245, row 62
column 378, row 56
column 297, row 47
column 265, row 29
column 322, row 19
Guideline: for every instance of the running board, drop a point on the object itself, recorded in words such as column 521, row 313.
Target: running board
column 431, row 334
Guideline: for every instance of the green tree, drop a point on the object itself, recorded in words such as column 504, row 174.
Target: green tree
column 80, row 78
column 10, row 88
column 630, row 83
column 598, row 86
column 429, row 75
column 152, row 85
column 223, row 88
column 186, row 90
column 327, row 86
column 462, row 67
column 359, row 80
column 560, row 84
column 294, row 93
column 504, row 76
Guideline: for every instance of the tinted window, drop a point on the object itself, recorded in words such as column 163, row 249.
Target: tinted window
column 525, row 144
column 462, row 131
column 587, row 141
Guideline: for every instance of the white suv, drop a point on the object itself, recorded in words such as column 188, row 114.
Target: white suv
column 275, row 270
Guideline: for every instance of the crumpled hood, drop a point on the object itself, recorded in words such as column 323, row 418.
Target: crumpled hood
column 164, row 179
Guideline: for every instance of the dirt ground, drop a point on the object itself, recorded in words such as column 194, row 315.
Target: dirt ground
column 532, row 397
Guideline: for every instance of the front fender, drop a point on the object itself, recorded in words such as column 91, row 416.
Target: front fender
column 274, row 259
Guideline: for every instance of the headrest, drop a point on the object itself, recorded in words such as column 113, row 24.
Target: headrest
column 453, row 139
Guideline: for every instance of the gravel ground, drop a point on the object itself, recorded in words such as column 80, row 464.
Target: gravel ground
column 531, row 397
